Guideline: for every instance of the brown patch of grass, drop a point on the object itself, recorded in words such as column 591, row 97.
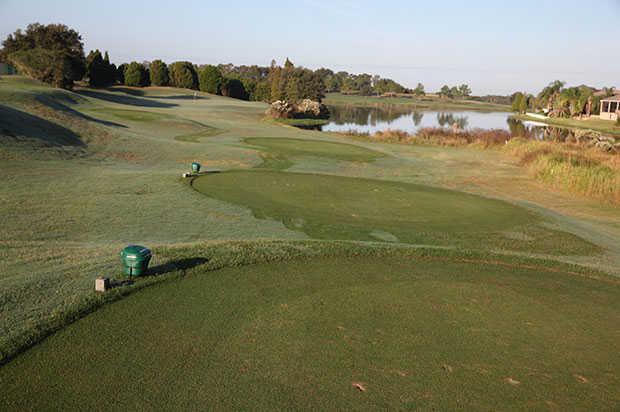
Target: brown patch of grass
column 587, row 165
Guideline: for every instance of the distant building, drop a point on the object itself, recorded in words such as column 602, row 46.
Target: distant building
column 610, row 107
column 6, row 69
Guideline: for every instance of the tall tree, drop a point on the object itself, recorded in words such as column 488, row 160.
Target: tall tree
column 158, row 73
column 445, row 91
column 53, row 53
column 517, row 100
column 419, row 90
column 136, row 75
column 183, row 75
column 233, row 88
column 120, row 73
column 464, row 90
column 211, row 79
column 99, row 70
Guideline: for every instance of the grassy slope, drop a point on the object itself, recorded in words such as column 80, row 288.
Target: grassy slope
column 68, row 208
column 594, row 123
column 332, row 207
column 418, row 329
column 428, row 103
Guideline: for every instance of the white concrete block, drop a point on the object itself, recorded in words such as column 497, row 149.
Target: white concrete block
column 102, row 284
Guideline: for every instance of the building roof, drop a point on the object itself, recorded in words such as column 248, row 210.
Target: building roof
column 615, row 98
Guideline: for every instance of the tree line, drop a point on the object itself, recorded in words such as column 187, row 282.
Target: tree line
column 455, row 91
column 54, row 54
column 556, row 100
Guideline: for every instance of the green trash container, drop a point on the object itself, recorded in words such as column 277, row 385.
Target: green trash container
column 195, row 167
column 135, row 260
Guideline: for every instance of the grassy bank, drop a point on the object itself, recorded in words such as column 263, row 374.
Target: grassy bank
column 578, row 168
column 426, row 103
column 307, row 123
column 336, row 326
column 594, row 123
column 583, row 171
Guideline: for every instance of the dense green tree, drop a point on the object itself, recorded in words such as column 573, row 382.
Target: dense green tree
column 136, row 75
column 548, row 94
column 445, row 91
column 464, row 90
column 233, row 88
column 559, row 101
column 99, row 70
column 52, row 53
column 262, row 91
column 158, row 73
column 517, row 100
column 608, row 91
column 183, row 75
column 382, row 86
column 523, row 104
column 419, row 90
column 211, row 79
column 294, row 83
column 120, row 73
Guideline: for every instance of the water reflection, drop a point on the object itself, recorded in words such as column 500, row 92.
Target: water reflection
column 374, row 119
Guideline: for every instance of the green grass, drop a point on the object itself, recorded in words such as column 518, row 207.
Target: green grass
column 133, row 115
column 426, row 102
column 594, row 123
column 302, row 122
column 196, row 137
column 68, row 208
column 279, row 153
column 417, row 329
column 333, row 207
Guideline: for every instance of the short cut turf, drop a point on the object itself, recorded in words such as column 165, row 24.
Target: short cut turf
column 337, row 333
column 336, row 207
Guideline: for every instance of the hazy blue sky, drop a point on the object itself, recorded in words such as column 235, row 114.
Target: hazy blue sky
column 495, row 46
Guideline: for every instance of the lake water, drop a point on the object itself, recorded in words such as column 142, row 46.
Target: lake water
column 371, row 119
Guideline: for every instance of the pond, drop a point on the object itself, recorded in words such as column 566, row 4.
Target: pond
column 345, row 119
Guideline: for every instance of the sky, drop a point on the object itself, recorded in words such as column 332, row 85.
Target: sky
column 497, row 47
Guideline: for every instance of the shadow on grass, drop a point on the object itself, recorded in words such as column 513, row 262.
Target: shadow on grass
column 18, row 125
column 180, row 264
column 180, row 97
column 56, row 105
column 124, row 99
column 141, row 93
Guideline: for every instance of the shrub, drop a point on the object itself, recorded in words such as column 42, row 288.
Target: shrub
column 159, row 73
column 183, row 75
column 211, row 79
column 618, row 121
column 135, row 75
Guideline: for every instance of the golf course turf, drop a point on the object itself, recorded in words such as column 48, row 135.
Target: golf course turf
column 302, row 270
column 404, row 331
column 336, row 207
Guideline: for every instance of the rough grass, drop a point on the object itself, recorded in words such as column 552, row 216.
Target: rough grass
column 578, row 168
column 426, row 102
column 368, row 328
column 332, row 207
column 594, row 123
column 301, row 122
column 584, row 171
